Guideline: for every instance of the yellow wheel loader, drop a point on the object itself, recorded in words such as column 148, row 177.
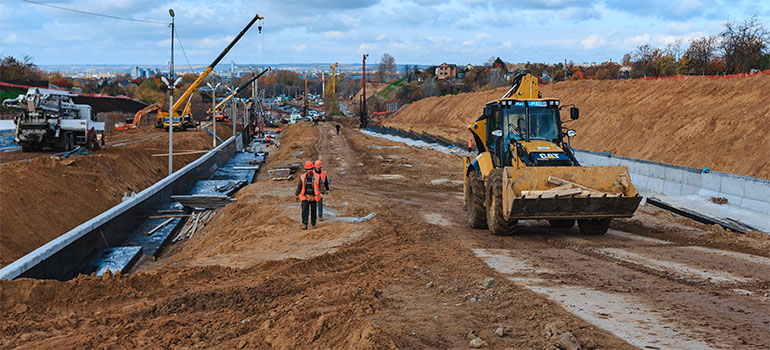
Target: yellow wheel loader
column 525, row 169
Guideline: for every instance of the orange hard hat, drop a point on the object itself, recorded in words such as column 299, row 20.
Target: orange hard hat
column 318, row 164
column 308, row 165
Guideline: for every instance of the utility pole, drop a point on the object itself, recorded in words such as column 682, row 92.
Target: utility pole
column 213, row 110
column 334, row 88
column 304, row 109
column 171, row 101
column 364, row 118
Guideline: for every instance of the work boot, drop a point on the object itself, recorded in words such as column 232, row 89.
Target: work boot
column 320, row 219
column 313, row 226
column 304, row 227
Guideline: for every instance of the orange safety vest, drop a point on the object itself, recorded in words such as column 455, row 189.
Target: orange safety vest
column 316, row 187
column 323, row 177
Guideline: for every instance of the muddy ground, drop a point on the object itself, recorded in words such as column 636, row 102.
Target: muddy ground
column 410, row 276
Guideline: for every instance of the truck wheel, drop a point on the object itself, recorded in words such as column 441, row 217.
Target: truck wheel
column 27, row 147
column 594, row 226
column 562, row 223
column 496, row 222
column 474, row 201
column 69, row 142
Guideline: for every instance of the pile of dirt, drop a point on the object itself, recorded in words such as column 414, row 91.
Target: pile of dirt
column 692, row 121
column 43, row 198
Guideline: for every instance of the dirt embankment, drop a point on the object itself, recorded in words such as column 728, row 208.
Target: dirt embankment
column 41, row 198
column 692, row 121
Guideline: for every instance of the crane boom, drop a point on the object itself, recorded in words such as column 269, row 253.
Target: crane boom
column 182, row 99
column 238, row 89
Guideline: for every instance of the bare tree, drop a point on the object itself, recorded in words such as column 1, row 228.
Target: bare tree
column 700, row 53
column 429, row 87
column 674, row 49
column 743, row 44
column 387, row 67
column 644, row 55
column 496, row 78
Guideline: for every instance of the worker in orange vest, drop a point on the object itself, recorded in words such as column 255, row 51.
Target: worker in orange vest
column 309, row 192
column 324, row 182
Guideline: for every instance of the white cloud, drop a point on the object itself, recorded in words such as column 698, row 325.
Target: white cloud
column 300, row 47
column 10, row 39
column 637, row 40
column 381, row 37
column 593, row 41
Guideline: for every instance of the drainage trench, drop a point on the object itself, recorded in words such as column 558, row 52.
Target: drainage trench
column 130, row 231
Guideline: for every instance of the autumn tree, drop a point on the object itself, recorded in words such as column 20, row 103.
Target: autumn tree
column 387, row 68
column 743, row 44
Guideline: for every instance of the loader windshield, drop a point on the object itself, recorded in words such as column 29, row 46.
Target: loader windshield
column 542, row 123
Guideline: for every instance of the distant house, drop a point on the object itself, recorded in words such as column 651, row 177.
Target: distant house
column 446, row 71
column 468, row 67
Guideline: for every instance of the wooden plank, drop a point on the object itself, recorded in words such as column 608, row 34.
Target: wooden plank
column 168, row 216
column 171, row 211
column 159, row 226
column 553, row 192
column 557, row 181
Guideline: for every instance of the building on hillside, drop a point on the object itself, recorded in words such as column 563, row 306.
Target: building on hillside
column 446, row 71
column 468, row 67
column 139, row 72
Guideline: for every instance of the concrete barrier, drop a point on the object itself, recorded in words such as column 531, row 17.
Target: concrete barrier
column 58, row 259
column 674, row 180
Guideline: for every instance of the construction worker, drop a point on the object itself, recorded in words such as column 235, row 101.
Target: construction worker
column 309, row 192
column 338, row 128
column 324, row 182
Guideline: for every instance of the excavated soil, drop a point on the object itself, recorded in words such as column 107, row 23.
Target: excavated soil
column 692, row 121
column 395, row 266
column 42, row 198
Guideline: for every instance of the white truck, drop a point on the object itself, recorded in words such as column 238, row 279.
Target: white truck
column 50, row 118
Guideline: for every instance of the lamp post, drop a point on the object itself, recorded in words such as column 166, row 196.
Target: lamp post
column 213, row 109
column 171, row 100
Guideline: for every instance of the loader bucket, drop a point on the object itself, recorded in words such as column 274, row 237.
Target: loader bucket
column 568, row 193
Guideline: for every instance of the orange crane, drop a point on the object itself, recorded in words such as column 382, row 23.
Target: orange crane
column 133, row 123
column 163, row 119
column 335, row 108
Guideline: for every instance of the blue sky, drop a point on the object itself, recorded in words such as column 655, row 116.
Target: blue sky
column 310, row 31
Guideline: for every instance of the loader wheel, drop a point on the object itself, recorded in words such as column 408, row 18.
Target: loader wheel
column 562, row 223
column 496, row 222
column 474, row 201
column 27, row 147
column 594, row 226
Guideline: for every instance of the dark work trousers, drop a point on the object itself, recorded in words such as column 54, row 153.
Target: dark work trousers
column 321, row 208
column 308, row 207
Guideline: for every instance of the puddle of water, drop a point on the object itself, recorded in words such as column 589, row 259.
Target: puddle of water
column 682, row 270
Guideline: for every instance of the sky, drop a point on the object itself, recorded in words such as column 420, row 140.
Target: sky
column 320, row 31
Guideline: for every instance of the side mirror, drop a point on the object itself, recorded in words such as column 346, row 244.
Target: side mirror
column 571, row 133
column 574, row 113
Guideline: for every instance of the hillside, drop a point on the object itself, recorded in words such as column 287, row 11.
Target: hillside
column 692, row 121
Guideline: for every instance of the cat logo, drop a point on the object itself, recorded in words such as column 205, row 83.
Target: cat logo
column 548, row 155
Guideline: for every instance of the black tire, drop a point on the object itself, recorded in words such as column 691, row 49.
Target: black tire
column 496, row 222
column 69, row 142
column 27, row 147
column 562, row 223
column 474, row 201
column 594, row 226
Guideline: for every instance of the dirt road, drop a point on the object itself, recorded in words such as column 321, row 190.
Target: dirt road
column 394, row 266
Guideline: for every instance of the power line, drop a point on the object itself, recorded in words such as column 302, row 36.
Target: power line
column 176, row 33
column 93, row 13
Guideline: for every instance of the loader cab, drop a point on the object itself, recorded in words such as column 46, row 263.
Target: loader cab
column 527, row 128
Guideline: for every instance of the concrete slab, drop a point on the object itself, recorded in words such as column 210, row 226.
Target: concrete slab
column 760, row 221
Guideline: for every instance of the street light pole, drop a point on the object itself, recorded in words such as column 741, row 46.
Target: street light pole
column 213, row 110
column 171, row 101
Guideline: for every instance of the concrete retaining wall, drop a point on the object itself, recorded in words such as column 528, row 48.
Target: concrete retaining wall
column 59, row 258
column 672, row 180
